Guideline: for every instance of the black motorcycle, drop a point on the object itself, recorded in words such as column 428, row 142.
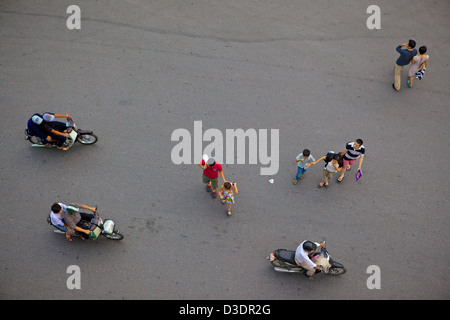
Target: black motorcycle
column 283, row 260
column 97, row 227
column 85, row 137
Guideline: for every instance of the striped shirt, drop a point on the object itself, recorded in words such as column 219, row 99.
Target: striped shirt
column 353, row 153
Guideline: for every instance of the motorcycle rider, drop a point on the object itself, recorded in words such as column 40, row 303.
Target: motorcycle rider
column 47, row 129
column 303, row 255
column 71, row 216
column 50, row 117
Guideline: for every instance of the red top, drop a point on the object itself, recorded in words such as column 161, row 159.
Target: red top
column 212, row 172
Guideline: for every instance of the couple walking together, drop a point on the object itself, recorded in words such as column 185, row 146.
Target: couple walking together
column 419, row 63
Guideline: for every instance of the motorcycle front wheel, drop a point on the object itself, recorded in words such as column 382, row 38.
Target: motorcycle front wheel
column 113, row 236
column 337, row 271
column 87, row 138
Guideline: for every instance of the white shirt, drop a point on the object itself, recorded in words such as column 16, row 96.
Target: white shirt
column 302, row 256
column 57, row 219
column 330, row 167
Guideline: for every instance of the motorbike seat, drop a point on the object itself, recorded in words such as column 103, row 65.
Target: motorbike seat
column 286, row 255
column 94, row 222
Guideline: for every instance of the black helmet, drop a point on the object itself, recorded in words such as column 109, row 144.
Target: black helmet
column 309, row 246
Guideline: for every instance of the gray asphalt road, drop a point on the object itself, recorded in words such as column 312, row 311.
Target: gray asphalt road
column 138, row 70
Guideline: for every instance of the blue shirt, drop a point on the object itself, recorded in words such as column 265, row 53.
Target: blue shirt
column 303, row 163
column 33, row 128
column 405, row 56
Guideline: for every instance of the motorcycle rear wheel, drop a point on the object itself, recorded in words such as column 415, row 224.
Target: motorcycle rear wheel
column 87, row 138
column 286, row 266
column 35, row 140
column 278, row 263
column 113, row 236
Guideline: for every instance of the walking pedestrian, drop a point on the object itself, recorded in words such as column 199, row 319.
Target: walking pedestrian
column 407, row 52
column 226, row 193
column 303, row 159
column 333, row 164
column 351, row 153
column 211, row 171
column 418, row 66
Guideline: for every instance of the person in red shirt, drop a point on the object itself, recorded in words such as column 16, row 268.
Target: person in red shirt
column 211, row 171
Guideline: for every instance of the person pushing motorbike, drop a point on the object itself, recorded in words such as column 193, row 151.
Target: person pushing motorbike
column 303, row 256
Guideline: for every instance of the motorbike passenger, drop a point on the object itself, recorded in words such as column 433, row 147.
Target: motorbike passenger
column 57, row 216
column 47, row 129
column 303, row 255
column 69, row 218
column 34, row 129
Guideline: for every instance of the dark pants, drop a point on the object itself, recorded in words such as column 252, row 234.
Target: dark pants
column 84, row 217
column 58, row 126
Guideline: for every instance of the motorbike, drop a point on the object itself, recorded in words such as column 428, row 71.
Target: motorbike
column 85, row 137
column 97, row 227
column 283, row 260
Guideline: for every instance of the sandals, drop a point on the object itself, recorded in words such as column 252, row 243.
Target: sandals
column 229, row 213
column 339, row 179
column 69, row 238
column 296, row 180
column 409, row 84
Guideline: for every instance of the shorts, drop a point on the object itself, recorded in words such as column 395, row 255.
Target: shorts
column 326, row 175
column 347, row 163
column 214, row 181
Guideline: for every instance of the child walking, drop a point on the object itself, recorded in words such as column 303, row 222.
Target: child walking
column 303, row 160
column 333, row 164
column 226, row 193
